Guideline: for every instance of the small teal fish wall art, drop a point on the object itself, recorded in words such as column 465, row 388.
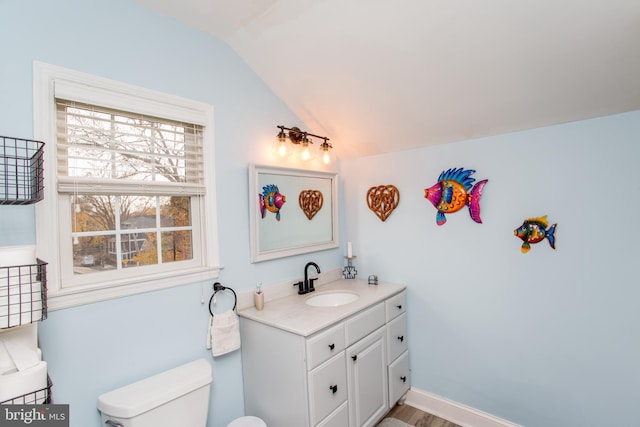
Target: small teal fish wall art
column 455, row 190
column 534, row 230
column 271, row 200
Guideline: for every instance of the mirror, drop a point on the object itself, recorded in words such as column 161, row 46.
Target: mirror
column 292, row 211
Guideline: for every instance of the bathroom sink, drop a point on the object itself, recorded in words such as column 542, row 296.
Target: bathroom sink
column 332, row 299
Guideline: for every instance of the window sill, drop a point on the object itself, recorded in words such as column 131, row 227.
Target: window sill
column 67, row 298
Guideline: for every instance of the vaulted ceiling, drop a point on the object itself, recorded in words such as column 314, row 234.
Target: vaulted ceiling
column 386, row 75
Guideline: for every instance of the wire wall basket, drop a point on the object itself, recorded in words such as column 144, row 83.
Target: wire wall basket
column 38, row 397
column 23, row 294
column 21, row 171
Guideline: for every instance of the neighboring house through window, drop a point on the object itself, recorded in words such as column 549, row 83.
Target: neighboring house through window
column 129, row 188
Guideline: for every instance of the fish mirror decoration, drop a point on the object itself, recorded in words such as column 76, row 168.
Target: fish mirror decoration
column 271, row 200
column 534, row 230
column 455, row 190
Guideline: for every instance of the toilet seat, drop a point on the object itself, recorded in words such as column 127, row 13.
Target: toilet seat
column 247, row 422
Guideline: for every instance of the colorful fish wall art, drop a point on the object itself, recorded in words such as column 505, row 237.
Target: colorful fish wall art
column 455, row 190
column 534, row 230
column 271, row 200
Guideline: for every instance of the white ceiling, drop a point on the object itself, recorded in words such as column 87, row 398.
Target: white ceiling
column 387, row 75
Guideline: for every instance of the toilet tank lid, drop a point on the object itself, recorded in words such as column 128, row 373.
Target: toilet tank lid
column 144, row 395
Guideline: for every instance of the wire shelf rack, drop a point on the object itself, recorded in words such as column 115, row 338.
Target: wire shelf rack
column 23, row 294
column 38, row 397
column 21, row 171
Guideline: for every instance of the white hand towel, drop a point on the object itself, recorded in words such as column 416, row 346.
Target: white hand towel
column 224, row 333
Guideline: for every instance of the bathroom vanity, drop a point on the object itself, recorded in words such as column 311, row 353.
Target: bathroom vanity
column 336, row 357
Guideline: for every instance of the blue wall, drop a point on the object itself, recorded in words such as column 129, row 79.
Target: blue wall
column 547, row 338
column 98, row 347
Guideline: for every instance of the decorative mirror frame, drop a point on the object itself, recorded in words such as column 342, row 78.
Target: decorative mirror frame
column 290, row 182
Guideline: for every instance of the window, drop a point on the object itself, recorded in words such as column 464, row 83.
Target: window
column 128, row 176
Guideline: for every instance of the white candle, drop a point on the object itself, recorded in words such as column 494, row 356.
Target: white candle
column 349, row 250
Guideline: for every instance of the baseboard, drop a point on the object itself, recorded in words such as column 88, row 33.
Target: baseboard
column 453, row 411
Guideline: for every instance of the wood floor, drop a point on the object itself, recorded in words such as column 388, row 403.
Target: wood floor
column 416, row 417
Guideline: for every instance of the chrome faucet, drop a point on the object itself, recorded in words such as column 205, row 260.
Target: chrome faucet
column 307, row 286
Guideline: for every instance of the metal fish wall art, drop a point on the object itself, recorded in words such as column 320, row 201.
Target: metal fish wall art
column 455, row 190
column 534, row 230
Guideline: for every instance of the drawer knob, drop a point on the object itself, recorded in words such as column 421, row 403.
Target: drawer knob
column 355, row 357
column 334, row 388
column 332, row 346
column 401, row 338
column 404, row 379
column 399, row 307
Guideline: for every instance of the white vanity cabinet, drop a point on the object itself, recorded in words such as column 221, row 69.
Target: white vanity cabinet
column 339, row 376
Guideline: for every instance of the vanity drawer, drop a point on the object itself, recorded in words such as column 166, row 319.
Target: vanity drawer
column 327, row 388
column 399, row 381
column 325, row 345
column 361, row 325
column 396, row 305
column 396, row 337
column 340, row 418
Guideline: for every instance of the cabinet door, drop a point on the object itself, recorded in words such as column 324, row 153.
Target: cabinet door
column 367, row 379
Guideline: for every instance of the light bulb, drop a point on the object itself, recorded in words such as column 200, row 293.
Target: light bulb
column 282, row 148
column 326, row 158
column 306, row 154
column 325, row 148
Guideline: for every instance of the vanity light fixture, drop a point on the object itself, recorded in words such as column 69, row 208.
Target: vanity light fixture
column 290, row 139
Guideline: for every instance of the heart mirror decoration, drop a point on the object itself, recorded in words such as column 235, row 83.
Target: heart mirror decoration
column 310, row 202
column 383, row 200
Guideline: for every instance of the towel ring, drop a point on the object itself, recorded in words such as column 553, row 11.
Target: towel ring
column 217, row 287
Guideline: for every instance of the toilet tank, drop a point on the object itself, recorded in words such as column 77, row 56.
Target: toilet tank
column 178, row 397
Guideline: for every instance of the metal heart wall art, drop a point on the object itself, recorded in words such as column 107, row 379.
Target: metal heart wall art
column 310, row 202
column 383, row 200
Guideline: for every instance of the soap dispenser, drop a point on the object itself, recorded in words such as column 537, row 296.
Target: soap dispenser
column 258, row 297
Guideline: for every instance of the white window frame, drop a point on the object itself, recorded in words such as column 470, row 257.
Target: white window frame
column 50, row 82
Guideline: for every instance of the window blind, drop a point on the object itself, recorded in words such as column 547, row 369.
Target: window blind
column 107, row 151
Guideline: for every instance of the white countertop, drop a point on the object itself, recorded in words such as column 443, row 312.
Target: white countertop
column 293, row 315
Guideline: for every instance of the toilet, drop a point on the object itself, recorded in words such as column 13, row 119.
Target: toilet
column 179, row 397
column 247, row 422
